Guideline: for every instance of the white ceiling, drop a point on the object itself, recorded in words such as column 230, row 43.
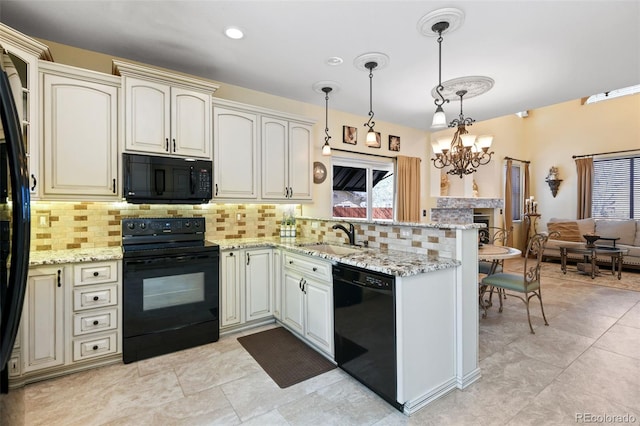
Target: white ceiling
column 538, row 52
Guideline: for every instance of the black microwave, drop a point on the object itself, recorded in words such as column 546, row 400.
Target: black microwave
column 150, row 179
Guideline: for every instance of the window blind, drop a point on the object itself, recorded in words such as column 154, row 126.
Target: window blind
column 616, row 188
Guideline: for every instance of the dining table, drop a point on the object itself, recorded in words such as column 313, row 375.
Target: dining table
column 495, row 254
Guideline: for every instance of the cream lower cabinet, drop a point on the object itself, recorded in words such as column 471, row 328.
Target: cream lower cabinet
column 43, row 318
column 307, row 300
column 80, row 133
column 246, row 287
column 70, row 320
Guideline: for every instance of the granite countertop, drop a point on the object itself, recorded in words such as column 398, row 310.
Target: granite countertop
column 55, row 257
column 392, row 262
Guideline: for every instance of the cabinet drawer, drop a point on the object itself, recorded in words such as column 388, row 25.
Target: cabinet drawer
column 309, row 266
column 92, row 347
column 95, row 273
column 86, row 298
column 92, row 321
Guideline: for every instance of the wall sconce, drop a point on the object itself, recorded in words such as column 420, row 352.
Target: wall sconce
column 553, row 181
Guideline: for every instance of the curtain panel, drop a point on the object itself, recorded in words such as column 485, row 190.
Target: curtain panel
column 584, row 167
column 408, row 189
column 508, row 211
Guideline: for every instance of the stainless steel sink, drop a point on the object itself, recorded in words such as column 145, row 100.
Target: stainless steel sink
column 334, row 249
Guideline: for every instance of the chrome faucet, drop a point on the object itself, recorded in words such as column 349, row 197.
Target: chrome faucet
column 351, row 233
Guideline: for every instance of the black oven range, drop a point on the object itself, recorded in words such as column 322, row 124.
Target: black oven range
column 170, row 286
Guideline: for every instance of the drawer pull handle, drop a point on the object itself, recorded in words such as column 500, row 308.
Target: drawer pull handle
column 96, row 322
column 59, row 281
column 315, row 269
column 96, row 298
column 291, row 262
column 95, row 274
column 95, row 347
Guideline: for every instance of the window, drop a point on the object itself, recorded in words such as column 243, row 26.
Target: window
column 517, row 185
column 363, row 189
column 616, row 188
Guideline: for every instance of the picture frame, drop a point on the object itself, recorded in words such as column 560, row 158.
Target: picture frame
column 394, row 143
column 350, row 135
column 378, row 141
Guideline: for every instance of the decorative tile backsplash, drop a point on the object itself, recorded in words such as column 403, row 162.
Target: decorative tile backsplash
column 69, row 225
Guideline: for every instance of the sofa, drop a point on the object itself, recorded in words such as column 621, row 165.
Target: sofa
column 572, row 231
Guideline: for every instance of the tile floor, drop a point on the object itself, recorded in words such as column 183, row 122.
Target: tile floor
column 586, row 363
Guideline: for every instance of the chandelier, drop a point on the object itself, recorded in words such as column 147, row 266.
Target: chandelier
column 464, row 153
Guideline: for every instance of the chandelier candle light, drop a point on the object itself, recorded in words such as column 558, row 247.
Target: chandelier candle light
column 464, row 153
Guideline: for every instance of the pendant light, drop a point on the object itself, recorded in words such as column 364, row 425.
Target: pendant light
column 439, row 118
column 372, row 140
column 326, row 148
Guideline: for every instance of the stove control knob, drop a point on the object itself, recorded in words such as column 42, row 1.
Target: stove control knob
column 187, row 224
column 143, row 225
column 131, row 225
column 197, row 224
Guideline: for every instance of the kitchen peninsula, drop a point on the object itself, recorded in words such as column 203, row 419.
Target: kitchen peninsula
column 436, row 311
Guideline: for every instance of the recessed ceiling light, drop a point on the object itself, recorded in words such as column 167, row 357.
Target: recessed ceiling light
column 234, row 33
column 335, row 60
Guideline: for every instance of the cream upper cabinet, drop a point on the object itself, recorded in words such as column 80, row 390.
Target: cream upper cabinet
column 165, row 113
column 235, row 153
column 80, row 133
column 20, row 56
column 286, row 160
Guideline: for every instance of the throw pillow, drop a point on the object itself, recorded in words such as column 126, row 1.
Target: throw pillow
column 569, row 231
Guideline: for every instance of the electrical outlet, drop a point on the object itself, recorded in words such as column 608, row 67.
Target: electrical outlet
column 405, row 232
column 239, row 216
column 43, row 220
column 315, row 225
column 424, row 213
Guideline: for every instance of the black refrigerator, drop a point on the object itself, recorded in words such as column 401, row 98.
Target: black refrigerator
column 15, row 224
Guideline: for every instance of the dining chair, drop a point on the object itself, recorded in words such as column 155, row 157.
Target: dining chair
column 526, row 285
column 492, row 235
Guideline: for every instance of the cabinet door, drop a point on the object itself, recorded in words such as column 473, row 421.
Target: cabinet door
column 43, row 326
column 259, row 283
column 190, row 123
column 80, row 137
column 230, row 289
column 275, row 164
column 319, row 315
column 293, row 302
column 147, row 116
column 235, row 154
column 300, row 162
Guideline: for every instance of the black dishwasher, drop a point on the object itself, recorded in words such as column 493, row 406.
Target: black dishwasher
column 365, row 328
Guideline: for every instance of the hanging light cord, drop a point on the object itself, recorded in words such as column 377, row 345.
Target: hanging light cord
column 439, row 28
column 370, row 66
column 326, row 90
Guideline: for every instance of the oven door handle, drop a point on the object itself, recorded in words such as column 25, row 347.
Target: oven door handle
column 163, row 259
